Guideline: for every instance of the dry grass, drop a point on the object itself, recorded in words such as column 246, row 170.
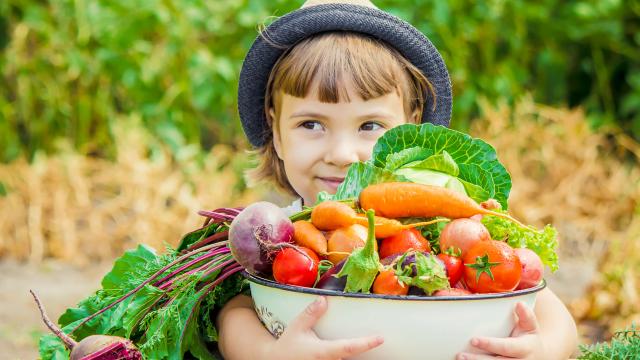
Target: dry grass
column 82, row 209
column 588, row 186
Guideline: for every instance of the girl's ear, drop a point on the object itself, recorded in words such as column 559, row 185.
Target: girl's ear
column 277, row 145
column 415, row 118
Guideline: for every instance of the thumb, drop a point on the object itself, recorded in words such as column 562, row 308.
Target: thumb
column 527, row 321
column 310, row 316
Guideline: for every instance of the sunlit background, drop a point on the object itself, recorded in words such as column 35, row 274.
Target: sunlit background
column 118, row 122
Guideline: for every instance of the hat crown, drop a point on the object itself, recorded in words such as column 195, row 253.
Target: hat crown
column 366, row 3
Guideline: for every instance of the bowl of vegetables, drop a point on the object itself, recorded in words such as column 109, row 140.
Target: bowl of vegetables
column 416, row 245
column 381, row 275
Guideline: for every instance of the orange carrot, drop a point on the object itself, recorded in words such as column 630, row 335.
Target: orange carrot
column 307, row 235
column 344, row 240
column 404, row 199
column 332, row 215
column 388, row 227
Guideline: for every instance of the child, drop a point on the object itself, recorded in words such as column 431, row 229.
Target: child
column 313, row 109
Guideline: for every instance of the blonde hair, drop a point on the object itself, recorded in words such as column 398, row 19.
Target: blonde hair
column 373, row 67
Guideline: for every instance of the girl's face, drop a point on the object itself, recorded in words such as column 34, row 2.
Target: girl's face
column 318, row 141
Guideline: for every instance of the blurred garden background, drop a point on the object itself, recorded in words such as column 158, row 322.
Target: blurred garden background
column 118, row 122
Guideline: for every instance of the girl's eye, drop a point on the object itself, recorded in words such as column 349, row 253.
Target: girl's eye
column 311, row 125
column 371, row 126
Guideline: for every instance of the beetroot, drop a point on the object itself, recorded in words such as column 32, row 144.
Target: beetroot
column 94, row 347
column 257, row 233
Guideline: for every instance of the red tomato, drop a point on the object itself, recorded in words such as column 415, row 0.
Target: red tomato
column 453, row 265
column 491, row 266
column 293, row 268
column 387, row 283
column 403, row 241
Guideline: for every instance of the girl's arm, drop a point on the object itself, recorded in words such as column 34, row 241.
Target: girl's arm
column 240, row 333
column 557, row 327
column 242, row 336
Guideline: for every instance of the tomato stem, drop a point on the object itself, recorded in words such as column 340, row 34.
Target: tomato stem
column 482, row 265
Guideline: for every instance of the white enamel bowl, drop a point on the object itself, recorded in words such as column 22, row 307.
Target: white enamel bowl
column 413, row 327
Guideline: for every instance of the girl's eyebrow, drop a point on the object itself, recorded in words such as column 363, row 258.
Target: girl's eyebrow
column 309, row 114
column 378, row 115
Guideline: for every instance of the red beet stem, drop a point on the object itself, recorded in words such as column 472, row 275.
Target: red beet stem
column 229, row 271
column 216, row 216
column 208, row 267
column 211, row 239
column 66, row 339
column 191, row 263
column 150, row 279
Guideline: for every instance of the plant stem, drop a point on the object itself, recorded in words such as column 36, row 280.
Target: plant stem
column 136, row 289
column 191, row 263
column 67, row 340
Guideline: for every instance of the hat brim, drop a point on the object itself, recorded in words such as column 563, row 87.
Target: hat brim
column 300, row 24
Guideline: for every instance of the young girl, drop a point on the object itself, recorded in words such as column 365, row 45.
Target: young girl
column 327, row 99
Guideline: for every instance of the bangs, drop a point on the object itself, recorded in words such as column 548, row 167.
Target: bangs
column 331, row 60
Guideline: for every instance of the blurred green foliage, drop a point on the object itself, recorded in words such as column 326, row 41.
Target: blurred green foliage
column 69, row 68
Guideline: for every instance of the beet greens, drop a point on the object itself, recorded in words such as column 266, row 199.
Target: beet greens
column 163, row 303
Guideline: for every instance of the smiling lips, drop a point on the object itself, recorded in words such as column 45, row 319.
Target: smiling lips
column 331, row 182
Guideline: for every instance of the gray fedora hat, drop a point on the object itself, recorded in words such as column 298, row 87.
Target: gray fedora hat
column 307, row 21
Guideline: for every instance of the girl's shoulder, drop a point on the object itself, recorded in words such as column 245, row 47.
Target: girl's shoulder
column 296, row 206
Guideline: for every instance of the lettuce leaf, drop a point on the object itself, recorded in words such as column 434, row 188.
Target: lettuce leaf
column 543, row 242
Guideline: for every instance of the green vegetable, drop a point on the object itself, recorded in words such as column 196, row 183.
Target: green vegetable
column 430, row 274
column 164, row 304
column 432, row 155
column 625, row 345
column 363, row 264
column 543, row 242
column 476, row 161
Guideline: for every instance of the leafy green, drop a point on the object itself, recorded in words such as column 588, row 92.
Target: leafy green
column 163, row 324
column 442, row 162
column 625, row 345
column 199, row 234
column 405, row 156
column 476, row 161
column 363, row 264
column 430, row 274
column 359, row 176
column 543, row 242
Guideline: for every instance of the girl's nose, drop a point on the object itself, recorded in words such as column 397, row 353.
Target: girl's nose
column 342, row 152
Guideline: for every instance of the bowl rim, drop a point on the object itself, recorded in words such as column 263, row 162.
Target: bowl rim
column 314, row 291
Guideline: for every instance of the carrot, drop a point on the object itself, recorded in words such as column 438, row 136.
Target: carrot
column 344, row 240
column 307, row 235
column 332, row 215
column 388, row 227
column 404, row 199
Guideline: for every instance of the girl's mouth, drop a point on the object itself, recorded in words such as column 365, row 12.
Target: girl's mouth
column 331, row 182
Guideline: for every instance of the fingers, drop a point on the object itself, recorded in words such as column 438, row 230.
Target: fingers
column 310, row 316
column 527, row 321
column 509, row 347
column 338, row 349
column 468, row 356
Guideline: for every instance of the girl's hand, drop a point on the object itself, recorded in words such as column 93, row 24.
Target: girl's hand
column 300, row 342
column 524, row 343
